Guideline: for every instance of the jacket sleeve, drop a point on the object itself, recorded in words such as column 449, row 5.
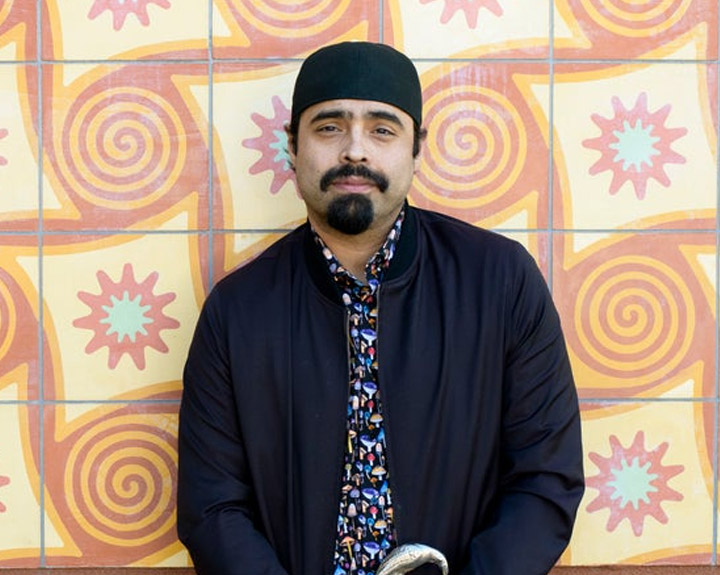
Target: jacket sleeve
column 216, row 507
column 541, row 474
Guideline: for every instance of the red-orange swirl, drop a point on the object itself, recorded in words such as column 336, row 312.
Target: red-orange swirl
column 121, row 472
column 636, row 19
column 632, row 319
column 475, row 148
column 292, row 19
column 122, row 148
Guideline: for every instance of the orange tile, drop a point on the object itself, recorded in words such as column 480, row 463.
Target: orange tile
column 649, row 484
column 110, row 485
column 248, row 28
column 19, row 350
column 625, row 30
column 125, row 146
column 19, row 485
column 19, row 194
column 638, row 312
column 119, row 313
column 18, row 30
column 485, row 159
column 482, row 28
column 118, row 30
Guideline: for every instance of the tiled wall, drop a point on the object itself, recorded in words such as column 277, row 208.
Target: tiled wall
column 142, row 157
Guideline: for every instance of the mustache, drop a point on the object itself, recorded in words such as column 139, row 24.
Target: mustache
column 349, row 170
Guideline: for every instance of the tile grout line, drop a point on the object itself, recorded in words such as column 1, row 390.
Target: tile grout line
column 41, row 318
column 716, row 423
column 381, row 15
column 551, row 148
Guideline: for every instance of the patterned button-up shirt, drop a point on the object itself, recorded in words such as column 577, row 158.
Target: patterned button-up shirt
column 365, row 531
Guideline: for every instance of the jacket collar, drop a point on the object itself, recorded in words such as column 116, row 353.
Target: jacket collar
column 403, row 257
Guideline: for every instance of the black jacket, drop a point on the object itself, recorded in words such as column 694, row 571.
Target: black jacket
column 482, row 424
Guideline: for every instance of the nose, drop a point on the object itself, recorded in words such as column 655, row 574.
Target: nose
column 354, row 150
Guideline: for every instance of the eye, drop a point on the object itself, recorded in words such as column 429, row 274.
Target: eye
column 384, row 131
column 328, row 128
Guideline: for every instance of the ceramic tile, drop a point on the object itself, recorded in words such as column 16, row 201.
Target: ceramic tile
column 110, row 485
column 125, row 145
column 462, row 29
column 266, row 29
column 638, row 312
column 251, row 104
column 19, row 350
column 18, row 30
column 627, row 30
column 19, row 485
column 649, row 484
column 629, row 153
column 133, row 30
column 120, row 312
column 485, row 159
column 19, row 195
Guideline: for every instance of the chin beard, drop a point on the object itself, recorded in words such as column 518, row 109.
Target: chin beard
column 350, row 214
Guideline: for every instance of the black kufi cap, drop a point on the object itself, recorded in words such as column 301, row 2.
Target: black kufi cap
column 358, row 71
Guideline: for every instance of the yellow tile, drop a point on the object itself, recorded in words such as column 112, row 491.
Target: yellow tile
column 649, row 493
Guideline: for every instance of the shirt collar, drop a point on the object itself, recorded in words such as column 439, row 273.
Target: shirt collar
column 376, row 266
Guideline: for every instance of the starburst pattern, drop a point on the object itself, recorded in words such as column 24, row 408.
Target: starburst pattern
column 3, row 481
column 126, row 317
column 632, row 483
column 3, row 134
column 272, row 143
column 121, row 8
column 635, row 145
column 471, row 8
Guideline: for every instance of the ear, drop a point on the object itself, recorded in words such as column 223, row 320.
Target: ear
column 292, row 146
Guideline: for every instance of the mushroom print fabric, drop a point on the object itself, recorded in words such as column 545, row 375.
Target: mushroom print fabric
column 365, row 531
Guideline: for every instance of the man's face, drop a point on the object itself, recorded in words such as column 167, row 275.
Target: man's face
column 354, row 164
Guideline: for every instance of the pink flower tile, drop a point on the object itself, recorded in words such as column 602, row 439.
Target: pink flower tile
column 19, row 350
column 119, row 313
column 638, row 312
column 18, row 30
column 264, row 29
column 110, row 485
column 19, row 196
column 629, row 153
column 485, row 159
column 469, row 28
column 125, row 146
column 649, row 484
column 19, row 486
column 125, row 30
column 624, row 30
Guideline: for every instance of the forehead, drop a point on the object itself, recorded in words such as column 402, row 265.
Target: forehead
column 361, row 109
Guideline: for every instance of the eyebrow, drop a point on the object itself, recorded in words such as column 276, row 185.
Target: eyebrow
column 345, row 115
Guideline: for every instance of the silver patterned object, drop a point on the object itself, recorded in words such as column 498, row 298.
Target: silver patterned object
column 410, row 556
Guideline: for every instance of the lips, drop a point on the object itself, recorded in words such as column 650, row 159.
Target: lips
column 353, row 178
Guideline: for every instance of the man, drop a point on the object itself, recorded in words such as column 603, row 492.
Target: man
column 382, row 375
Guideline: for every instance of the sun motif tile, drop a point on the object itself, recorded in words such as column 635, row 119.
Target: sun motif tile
column 120, row 312
column 18, row 30
column 19, row 485
column 469, row 28
column 251, row 108
column 638, row 312
column 125, row 29
column 649, row 484
column 630, row 153
column 485, row 159
column 266, row 29
column 110, row 484
column 124, row 145
column 615, row 29
column 19, row 195
column 19, row 350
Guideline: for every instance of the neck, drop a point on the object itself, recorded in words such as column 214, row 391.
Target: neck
column 352, row 251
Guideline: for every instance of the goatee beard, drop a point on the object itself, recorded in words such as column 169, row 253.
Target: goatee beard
column 350, row 214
